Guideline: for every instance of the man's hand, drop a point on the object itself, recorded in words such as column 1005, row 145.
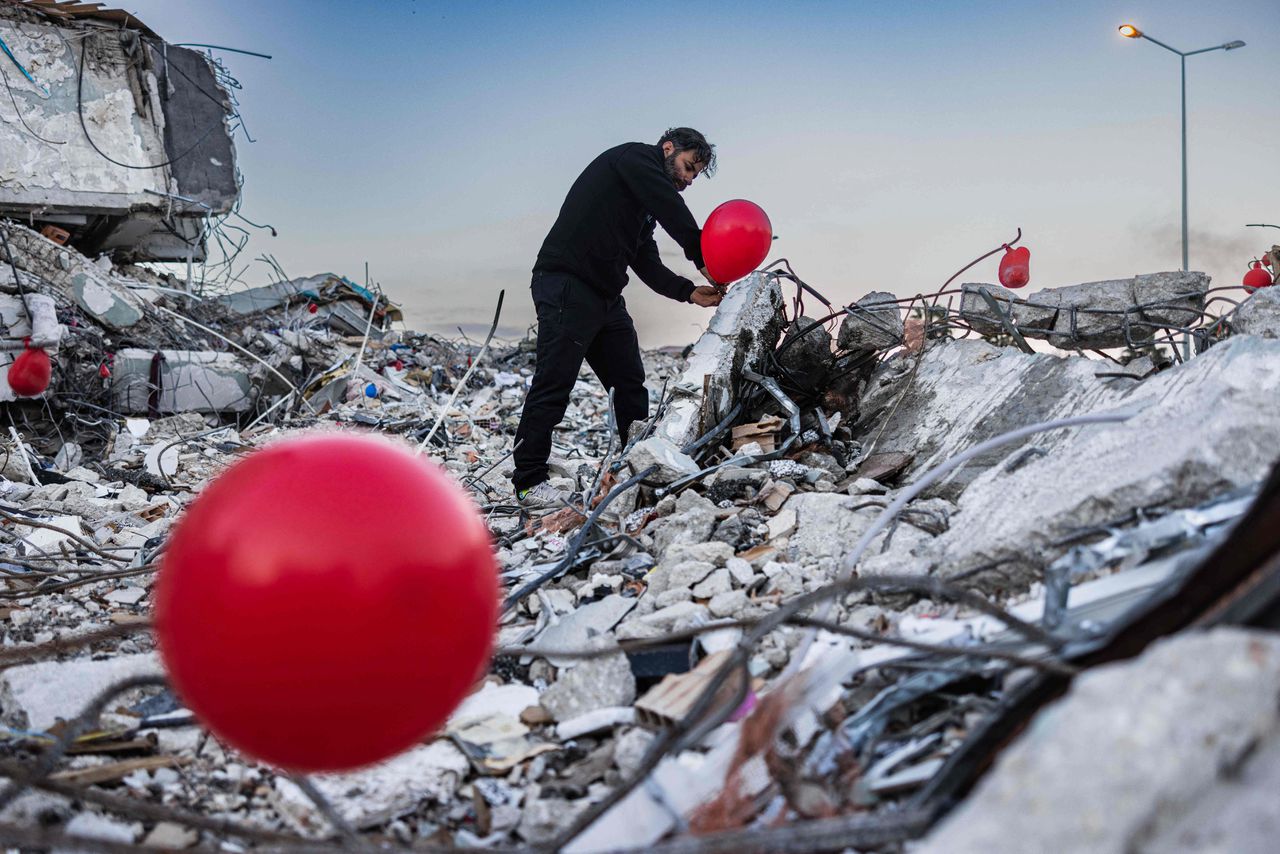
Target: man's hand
column 706, row 296
column 707, row 276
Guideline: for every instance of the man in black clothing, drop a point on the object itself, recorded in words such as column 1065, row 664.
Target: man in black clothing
column 605, row 226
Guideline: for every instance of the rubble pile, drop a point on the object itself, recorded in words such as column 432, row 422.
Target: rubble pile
column 857, row 557
column 780, row 616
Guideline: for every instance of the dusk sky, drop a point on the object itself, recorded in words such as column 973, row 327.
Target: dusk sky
column 889, row 143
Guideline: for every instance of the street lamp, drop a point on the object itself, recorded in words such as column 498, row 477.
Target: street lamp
column 1129, row 31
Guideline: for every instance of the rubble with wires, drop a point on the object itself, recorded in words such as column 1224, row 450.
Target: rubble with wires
column 943, row 570
column 846, row 560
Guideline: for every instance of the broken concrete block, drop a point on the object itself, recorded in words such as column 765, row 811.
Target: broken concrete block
column 656, row 451
column 1237, row 813
column 508, row 700
column 1033, row 315
column 1093, row 315
column 630, row 748
column 825, row 524
column 35, row 696
column 686, row 528
column 744, row 328
column 1128, row 751
column 873, row 323
column 741, row 571
column 594, row 684
column 172, row 836
column 1259, row 314
column 687, row 573
column 782, row 523
column 577, row 628
column 728, row 603
column 1200, row 429
column 1160, row 299
column 543, row 818
column 112, row 306
column 715, row 553
column 664, row 619
column 98, row 826
column 964, row 393
column 807, row 353
column 672, row 596
column 716, row 582
column 866, row 486
column 775, row 495
column 379, row 793
column 189, row 381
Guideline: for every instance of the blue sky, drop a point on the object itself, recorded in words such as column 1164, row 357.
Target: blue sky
column 889, row 143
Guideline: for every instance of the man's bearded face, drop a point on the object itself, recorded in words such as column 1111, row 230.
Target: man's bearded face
column 682, row 167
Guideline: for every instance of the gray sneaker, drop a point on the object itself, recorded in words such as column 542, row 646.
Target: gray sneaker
column 542, row 497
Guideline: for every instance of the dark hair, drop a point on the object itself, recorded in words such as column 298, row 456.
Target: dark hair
column 688, row 139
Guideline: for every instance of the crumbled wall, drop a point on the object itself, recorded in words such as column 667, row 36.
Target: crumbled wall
column 125, row 120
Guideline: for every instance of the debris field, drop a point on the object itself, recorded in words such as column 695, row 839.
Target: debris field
column 881, row 576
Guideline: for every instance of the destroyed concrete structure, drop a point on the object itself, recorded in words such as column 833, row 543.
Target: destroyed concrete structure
column 1094, row 315
column 121, row 142
column 858, row 556
column 671, row 667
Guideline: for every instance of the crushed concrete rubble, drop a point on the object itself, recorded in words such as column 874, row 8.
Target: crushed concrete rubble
column 719, row 534
column 763, row 615
column 1135, row 750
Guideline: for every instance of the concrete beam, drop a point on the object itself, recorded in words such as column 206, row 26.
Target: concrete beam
column 744, row 328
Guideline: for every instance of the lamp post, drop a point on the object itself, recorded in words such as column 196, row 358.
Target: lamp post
column 1129, row 31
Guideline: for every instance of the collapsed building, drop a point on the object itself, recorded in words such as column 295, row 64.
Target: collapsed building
column 872, row 576
column 120, row 141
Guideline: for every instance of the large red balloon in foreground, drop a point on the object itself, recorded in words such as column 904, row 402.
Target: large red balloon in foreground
column 327, row 602
column 735, row 240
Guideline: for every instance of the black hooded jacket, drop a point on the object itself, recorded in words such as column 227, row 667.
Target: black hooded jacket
column 606, row 224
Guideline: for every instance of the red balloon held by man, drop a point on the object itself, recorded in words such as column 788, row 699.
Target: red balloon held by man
column 30, row 373
column 1015, row 269
column 327, row 602
column 735, row 240
column 1257, row 277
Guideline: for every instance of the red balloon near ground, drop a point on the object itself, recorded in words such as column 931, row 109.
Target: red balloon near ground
column 1015, row 267
column 327, row 602
column 735, row 240
column 30, row 372
column 1257, row 277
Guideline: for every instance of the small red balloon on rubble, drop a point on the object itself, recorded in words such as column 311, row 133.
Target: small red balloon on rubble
column 327, row 602
column 30, row 373
column 735, row 240
column 1015, row 267
column 1257, row 277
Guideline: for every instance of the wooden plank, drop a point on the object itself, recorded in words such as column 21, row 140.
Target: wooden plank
column 116, row 770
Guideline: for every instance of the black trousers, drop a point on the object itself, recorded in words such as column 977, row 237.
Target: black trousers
column 576, row 322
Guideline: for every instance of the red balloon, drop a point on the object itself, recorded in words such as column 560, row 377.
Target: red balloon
column 30, row 372
column 327, row 602
column 1257, row 277
column 1015, row 270
column 735, row 240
